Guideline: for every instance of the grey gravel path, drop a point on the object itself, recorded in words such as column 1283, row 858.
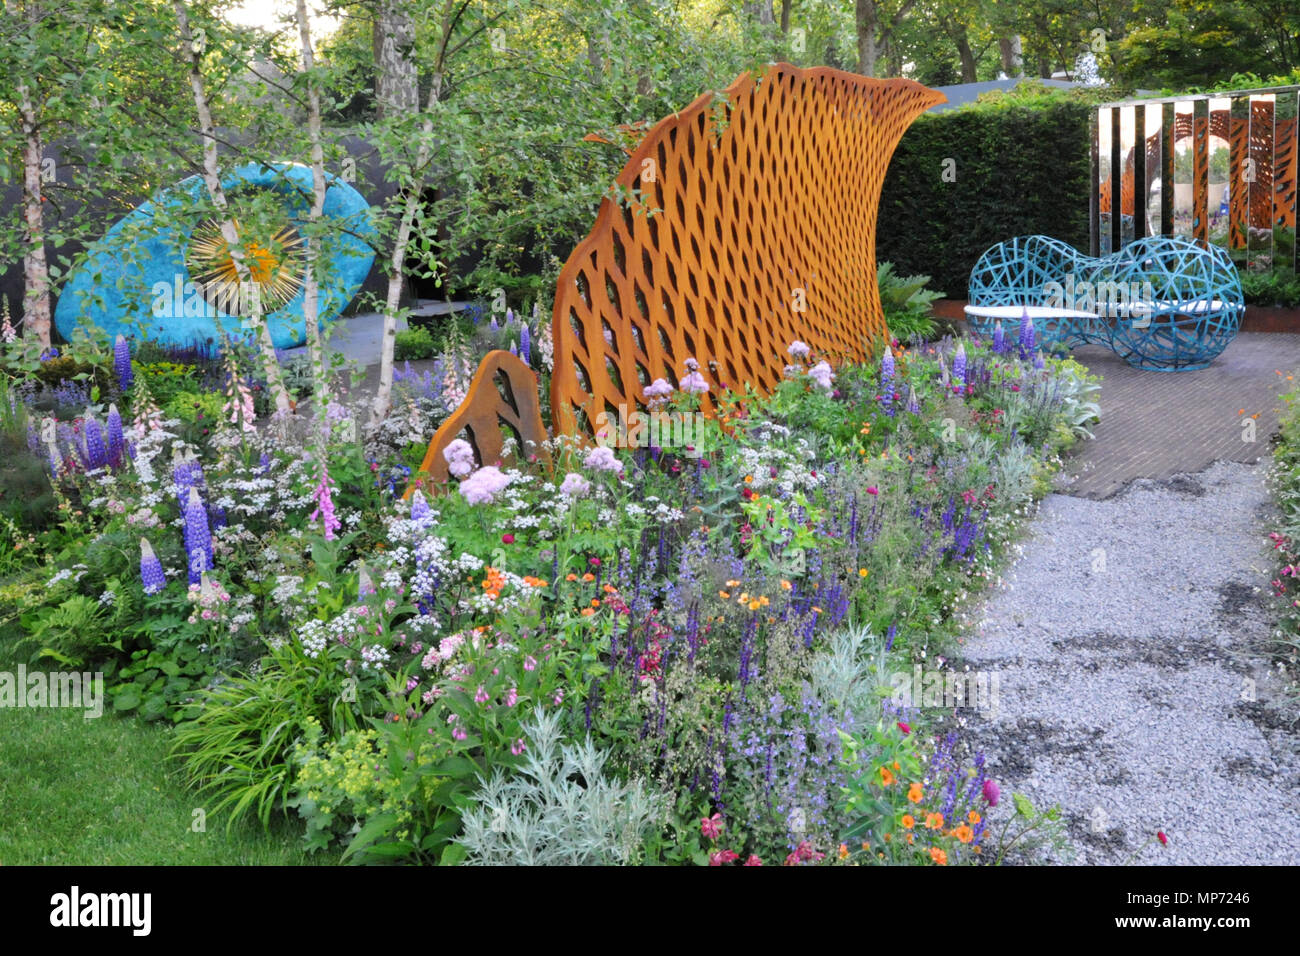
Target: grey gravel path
column 1127, row 641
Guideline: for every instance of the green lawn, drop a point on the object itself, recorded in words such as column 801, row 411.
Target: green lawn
column 90, row 792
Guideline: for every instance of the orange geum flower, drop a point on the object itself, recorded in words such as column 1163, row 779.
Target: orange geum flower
column 589, row 576
column 587, row 612
column 863, row 572
column 786, row 585
column 844, row 851
column 755, row 604
column 609, row 589
column 938, row 856
column 914, row 793
column 908, row 821
column 595, row 602
column 973, row 817
column 964, row 833
column 724, row 594
column 934, row 821
column 570, row 576
column 886, row 778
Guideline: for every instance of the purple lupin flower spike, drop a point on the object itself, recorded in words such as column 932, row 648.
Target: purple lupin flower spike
column 1026, row 335
column 890, row 635
column 959, row 366
column 122, row 363
column 493, row 326
column 115, row 443
column 514, row 350
column 151, row 569
column 525, row 345
column 96, row 453
column 510, row 316
column 913, row 407
column 1039, row 365
column 198, row 539
column 943, row 374
column 999, row 338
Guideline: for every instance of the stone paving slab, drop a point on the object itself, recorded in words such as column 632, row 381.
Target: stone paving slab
column 1159, row 424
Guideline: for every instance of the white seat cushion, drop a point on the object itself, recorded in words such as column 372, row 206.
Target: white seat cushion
column 1035, row 312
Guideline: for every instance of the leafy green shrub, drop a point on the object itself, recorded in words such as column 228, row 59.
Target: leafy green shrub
column 1014, row 165
column 416, row 343
column 166, row 379
column 1276, row 287
column 907, row 304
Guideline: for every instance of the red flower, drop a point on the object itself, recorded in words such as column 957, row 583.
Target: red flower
column 747, row 493
column 507, row 538
column 594, row 562
column 904, row 728
column 711, row 827
column 873, row 490
column 1160, row 835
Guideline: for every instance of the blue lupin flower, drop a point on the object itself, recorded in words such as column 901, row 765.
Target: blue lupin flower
column 198, row 539
column 1026, row 335
column 526, row 345
column 151, row 569
column 96, row 453
column 999, row 338
column 122, row 363
column 115, row 443
column 510, row 316
column 959, row 366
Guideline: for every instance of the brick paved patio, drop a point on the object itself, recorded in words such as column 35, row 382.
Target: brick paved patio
column 1158, row 424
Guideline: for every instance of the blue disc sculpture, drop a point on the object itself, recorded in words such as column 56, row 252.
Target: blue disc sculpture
column 1162, row 303
column 160, row 274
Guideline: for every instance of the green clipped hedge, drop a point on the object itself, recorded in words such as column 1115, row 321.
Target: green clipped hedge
column 1021, row 167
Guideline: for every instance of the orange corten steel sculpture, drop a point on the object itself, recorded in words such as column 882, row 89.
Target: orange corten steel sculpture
column 748, row 222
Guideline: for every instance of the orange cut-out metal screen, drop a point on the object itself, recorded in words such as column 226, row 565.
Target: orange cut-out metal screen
column 751, row 223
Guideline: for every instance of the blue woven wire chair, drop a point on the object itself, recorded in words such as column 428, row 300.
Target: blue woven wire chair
column 1162, row 303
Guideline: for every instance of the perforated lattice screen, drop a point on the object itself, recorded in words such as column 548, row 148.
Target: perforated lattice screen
column 752, row 224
